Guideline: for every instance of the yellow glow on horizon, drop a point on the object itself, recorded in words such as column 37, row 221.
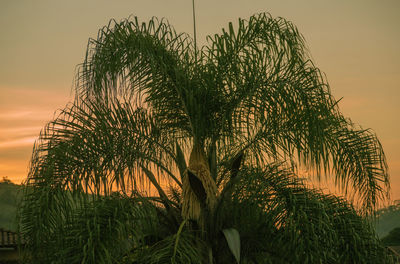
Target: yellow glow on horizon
column 14, row 170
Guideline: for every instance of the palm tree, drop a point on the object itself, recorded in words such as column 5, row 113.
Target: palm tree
column 170, row 154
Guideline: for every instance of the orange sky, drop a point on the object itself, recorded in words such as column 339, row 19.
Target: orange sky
column 356, row 43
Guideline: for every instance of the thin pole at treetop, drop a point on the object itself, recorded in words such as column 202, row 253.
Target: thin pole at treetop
column 194, row 31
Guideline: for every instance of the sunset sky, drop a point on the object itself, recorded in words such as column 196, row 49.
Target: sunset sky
column 355, row 43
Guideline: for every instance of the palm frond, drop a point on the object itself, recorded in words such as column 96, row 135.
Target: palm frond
column 149, row 64
column 158, row 130
column 278, row 104
column 96, row 148
column 180, row 248
column 282, row 221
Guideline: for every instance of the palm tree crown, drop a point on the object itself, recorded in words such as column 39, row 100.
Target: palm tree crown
column 174, row 154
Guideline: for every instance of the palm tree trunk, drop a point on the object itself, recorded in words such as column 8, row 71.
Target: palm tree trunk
column 191, row 206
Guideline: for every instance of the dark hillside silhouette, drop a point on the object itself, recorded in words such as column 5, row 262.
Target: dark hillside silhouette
column 10, row 194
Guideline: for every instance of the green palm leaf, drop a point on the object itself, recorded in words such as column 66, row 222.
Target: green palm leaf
column 107, row 181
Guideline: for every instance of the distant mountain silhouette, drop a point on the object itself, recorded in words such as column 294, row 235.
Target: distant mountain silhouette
column 388, row 219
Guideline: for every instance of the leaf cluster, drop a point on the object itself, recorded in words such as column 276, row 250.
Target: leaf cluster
column 105, row 181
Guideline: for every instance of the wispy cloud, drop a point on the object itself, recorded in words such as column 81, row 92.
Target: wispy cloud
column 15, row 114
column 21, row 131
column 16, row 127
column 21, row 142
column 32, row 98
column 23, row 113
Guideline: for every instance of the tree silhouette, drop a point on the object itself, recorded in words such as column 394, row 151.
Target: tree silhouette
column 171, row 155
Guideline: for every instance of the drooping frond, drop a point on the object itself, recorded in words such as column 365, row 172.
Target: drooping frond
column 165, row 148
column 279, row 104
column 83, row 228
column 180, row 248
column 282, row 221
column 96, row 148
column 153, row 66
